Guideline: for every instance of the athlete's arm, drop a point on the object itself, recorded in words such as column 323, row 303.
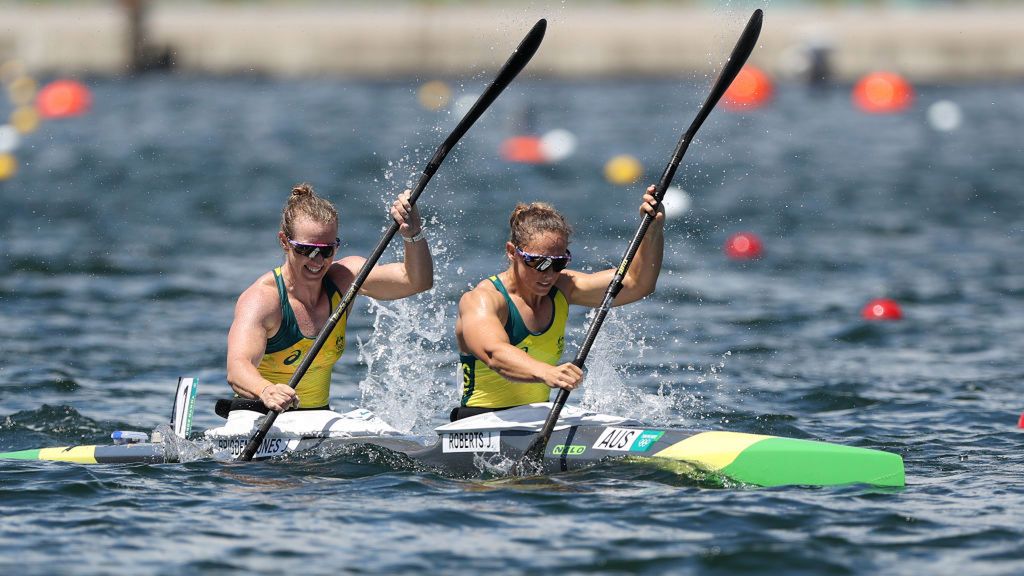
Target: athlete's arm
column 642, row 277
column 414, row 274
column 480, row 332
column 247, row 342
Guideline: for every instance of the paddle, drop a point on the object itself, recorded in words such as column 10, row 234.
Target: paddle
column 740, row 53
column 515, row 64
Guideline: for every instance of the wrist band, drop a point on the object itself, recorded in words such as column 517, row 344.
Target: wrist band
column 264, row 390
column 414, row 238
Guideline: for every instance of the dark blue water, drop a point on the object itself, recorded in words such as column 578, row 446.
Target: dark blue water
column 128, row 233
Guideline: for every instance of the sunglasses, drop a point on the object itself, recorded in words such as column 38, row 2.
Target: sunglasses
column 312, row 250
column 541, row 263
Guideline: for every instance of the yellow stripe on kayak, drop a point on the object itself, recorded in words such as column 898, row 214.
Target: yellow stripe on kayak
column 79, row 454
column 713, row 450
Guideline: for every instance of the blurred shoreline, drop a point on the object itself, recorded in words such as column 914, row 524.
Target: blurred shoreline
column 946, row 44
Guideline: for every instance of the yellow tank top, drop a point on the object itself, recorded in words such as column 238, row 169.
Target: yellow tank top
column 286, row 349
column 485, row 388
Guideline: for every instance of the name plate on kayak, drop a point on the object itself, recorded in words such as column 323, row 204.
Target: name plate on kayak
column 269, row 447
column 471, row 441
column 627, row 439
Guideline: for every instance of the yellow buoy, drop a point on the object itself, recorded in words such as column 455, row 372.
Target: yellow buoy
column 623, row 169
column 10, row 70
column 8, row 166
column 25, row 119
column 435, row 95
column 22, row 90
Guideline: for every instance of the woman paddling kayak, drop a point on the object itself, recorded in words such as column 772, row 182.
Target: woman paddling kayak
column 511, row 327
column 278, row 317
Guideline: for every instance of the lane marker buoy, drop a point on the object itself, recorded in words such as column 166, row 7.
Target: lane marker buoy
column 882, row 93
column 623, row 170
column 882, row 309
column 743, row 246
column 751, row 88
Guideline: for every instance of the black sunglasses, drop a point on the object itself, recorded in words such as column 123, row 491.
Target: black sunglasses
column 312, row 250
column 541, row 263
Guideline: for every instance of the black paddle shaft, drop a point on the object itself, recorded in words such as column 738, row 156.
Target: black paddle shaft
column 740, row 53
column 515, row 64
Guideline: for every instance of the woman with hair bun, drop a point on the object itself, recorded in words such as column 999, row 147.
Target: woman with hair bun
column 511, row 326
column 279, row 316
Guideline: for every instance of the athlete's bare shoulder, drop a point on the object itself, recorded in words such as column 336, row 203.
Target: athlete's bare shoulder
column 260, row 303
column 483, row 298
column 343, row 272
column 480, row 306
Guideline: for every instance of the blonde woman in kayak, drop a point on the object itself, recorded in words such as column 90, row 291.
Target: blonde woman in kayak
column 511, row 327
column 279, row 316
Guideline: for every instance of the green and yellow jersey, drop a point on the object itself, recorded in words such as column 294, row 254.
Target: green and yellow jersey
column 286, row 349
column 485, row 388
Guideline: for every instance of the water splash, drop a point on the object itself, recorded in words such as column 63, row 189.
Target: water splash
column 407, row 350
column 620, row 382
column 182, row 449
column 497, row 465
column 411, row 371
column 610, row 386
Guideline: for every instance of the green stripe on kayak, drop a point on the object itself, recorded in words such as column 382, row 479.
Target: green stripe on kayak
column 786, row 461
column 20, row 455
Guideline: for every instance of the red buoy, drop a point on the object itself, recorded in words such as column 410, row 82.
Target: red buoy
column 1020, row 423
column 523, row 149
column 743, row 246
column 882, row 309
column 750, row 89
column 882, row 93
column 63, row 98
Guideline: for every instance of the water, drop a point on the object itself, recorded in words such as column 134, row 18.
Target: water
column 128, row 233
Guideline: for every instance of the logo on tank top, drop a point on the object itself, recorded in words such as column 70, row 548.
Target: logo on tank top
column 292, row 358
column 561, row 344
column 339, row 342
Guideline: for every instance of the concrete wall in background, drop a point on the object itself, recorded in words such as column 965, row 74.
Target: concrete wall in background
column 944, row 44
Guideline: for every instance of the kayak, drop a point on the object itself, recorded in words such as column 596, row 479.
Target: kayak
column 490, row 442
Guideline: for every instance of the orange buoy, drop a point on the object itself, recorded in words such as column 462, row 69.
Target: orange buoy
column 63, row 98
column 750, row 89
column 882, row 93
column 743, row 246
column 522, row 150
column 882, row 309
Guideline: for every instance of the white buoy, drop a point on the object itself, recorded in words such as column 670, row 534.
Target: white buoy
column 557, row 145
column 463, row 103
column 944, row 116
column 676, row 202
column 8, row 139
